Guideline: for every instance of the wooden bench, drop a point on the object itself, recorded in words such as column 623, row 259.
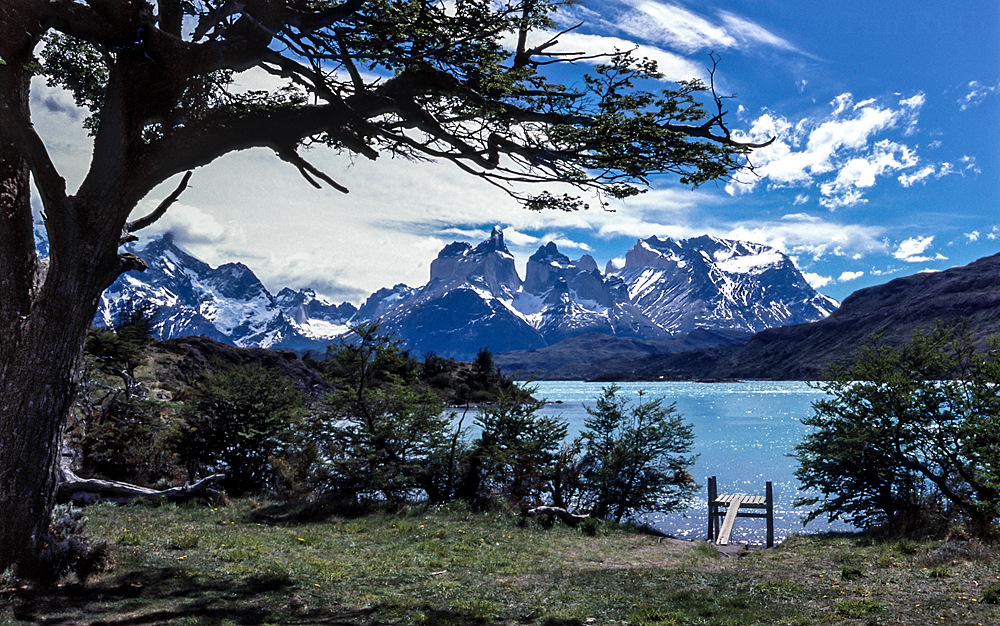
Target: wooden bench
column 723, row 509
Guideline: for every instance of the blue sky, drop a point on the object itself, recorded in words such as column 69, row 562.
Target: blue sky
column 886, row 163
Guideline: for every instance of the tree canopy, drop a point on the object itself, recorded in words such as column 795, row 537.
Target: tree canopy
column 472, row 82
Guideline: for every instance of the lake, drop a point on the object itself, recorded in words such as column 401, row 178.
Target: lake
column 744, row 432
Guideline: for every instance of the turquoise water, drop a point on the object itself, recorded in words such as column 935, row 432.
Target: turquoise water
column 744, row 433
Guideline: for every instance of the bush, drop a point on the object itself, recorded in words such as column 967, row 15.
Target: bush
column 241, row 419
column 636, row 457
column 514, row 460
column 903, row 429
column 67, row 547
column 124, row 438
column 384, row 434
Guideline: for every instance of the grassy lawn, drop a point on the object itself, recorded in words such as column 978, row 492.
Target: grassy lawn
column 226, row 565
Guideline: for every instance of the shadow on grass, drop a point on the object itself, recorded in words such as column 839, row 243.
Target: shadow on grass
column 307, row 512
column 167, row 596
column 171, row 596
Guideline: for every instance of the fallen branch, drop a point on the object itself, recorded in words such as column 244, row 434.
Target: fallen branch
column 570, row 519
column 90, row 490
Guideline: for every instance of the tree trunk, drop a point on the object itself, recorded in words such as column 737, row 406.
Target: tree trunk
column 37, row 386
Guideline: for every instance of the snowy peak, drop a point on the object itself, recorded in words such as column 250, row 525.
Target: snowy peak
column 488, row 267
column 228, row 303
column 718, row 283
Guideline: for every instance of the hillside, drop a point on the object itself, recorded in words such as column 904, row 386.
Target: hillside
column 893, row 311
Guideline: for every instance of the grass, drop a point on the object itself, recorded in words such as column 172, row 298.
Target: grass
column 194, row 564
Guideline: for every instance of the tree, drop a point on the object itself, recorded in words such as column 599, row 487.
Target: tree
column 413, row 78
column 906, row 435
column 118, row 429
column 636, row 457
column 383, row 426
column 514, row 458
column 241, row 419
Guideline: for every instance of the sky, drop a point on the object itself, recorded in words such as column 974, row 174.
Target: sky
column 886, row 160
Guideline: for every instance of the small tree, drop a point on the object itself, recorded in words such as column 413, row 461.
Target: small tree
column 904, row 429
column 514, row 458
column 119, row 350
column 636, row 457
column 241, row 420
column 382, row 427
column 117, row 429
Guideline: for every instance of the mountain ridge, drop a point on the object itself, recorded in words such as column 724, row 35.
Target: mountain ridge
column 475, row 298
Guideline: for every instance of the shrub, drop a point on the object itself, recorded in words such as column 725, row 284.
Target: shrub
column 636, row 456
column 241, row 418
column 902, row 429
column 67, row 547
column 514, row 460
column 384, row 435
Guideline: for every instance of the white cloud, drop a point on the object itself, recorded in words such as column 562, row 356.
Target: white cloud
column 670, row 24
column 912, row 250
column 844, row 152
column 908, row 180
column 860, row 173
column 816, row 238
column 800, row 199
column 975, row 93
column 750, row 33
column 973, row 236
column 816, row 281
column 190, row 225
column 849, row 276
column 994, row 234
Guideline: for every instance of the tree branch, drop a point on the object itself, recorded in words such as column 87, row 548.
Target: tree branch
column 157, row 213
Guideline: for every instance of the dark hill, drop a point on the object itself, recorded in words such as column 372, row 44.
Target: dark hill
column 596, row 356
column 893, row 311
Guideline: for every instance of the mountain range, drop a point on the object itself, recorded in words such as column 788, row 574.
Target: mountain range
column 721, row 290
column 891, row 312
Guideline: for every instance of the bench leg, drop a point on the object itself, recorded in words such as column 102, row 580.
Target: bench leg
column 770, row 514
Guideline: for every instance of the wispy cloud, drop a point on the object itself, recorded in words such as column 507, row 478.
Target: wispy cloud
column 976, row 92
column 849, row 276
column 672, row 26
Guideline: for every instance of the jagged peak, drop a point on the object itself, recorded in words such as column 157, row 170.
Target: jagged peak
column 549, row 253
column 586, row 263
column 454, row 249
column 494, row 243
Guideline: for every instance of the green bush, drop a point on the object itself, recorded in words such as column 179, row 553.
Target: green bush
column 637, row 457
column 240, row 420
column 514, row 460
column 384, row 434
column 904, row 429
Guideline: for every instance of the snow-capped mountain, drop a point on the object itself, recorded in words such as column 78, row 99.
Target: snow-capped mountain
column 720, row 284
column 475, row 298
column 562, row 298
column 665, row 289
column 466, row 305
column 227, row 303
